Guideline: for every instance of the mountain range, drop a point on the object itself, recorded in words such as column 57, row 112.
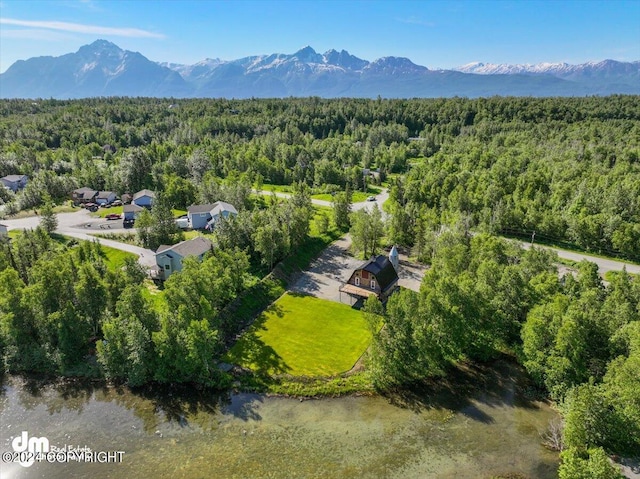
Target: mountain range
column 104, row 69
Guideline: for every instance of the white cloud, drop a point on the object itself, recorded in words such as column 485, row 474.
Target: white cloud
column 80, row 28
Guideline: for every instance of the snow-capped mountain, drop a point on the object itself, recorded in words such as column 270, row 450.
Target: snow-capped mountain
column 99, row 69
column 606, row 68
column 104, row 69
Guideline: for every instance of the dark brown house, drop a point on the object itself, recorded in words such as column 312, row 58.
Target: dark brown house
column 84, row 195
column 377, row 277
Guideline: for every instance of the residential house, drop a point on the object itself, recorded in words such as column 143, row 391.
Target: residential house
column 378, row 277
column 169, row 258
column 105, row 197
column 84, row 195
column 14, row 182
column 144, row 198
column 131, row 211
column 4, row 231
column 205, row 216
column 220, row 211
column 199, row 215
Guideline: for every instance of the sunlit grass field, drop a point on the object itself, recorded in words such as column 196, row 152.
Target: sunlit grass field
column 303, row 336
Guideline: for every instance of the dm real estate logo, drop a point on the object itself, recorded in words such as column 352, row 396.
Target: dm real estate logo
column 29, row 448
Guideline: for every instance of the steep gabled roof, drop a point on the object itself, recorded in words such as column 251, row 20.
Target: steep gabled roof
column 105, row 194
column 193, row 247
column 220, row 206
column 383, row 270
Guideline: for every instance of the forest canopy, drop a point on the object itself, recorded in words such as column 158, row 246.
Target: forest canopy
column 567, row 169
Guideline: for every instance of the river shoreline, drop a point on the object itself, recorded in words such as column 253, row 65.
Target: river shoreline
column 485, row 424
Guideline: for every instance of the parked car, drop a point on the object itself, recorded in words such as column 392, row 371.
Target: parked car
column 116, row 203
column 128, row 223
column 371, row 198
column 113, row 216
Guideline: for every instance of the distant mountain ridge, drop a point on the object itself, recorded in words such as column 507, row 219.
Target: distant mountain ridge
column 104, row 69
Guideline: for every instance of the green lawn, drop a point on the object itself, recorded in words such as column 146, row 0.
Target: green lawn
column 356, row 197
column 102, row 212
column 114, row 258
column 303, row 336
column 277, row 188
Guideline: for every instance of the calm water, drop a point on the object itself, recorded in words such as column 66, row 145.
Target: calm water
column 478, row 426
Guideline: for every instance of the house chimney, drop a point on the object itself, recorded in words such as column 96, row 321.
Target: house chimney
column 394, row 258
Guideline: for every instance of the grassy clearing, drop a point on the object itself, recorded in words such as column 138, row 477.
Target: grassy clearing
column 155, row 296
column 102, row 212
column 356, row 197
column 114, row 258
column 277, row 188
column 611, row 275
column 303, row 336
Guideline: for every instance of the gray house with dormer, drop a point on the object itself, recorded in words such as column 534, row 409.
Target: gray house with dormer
column 169, row 258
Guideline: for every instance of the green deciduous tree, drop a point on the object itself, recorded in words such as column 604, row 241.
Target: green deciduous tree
column 48, row 219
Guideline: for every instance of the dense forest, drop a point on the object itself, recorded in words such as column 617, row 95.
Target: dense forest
column 578, row 339
column 460, row 173
column 566, row 168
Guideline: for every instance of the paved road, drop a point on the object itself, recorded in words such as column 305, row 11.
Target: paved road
column 380, row 199
column 78, row 225
column 604, row 264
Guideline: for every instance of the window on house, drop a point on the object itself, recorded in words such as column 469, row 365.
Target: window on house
column 373, row 284
column 166, row 266
column 365, row 275
column 357, row 280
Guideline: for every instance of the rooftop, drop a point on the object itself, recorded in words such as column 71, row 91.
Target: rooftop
column 383, row 270
column 193, row 247
column 141, row 193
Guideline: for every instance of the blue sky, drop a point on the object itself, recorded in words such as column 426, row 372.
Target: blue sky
column 436, row 34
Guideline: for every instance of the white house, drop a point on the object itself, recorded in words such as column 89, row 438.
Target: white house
column 169, row 258
column 144, row 198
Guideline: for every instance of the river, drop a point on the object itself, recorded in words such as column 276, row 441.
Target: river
column 478, row 425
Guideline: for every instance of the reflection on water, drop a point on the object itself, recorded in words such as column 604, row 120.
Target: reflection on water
column 476, row 425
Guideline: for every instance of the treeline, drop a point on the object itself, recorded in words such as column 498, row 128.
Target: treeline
column 578, row 339
column 61, row 308
column 566, row 168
